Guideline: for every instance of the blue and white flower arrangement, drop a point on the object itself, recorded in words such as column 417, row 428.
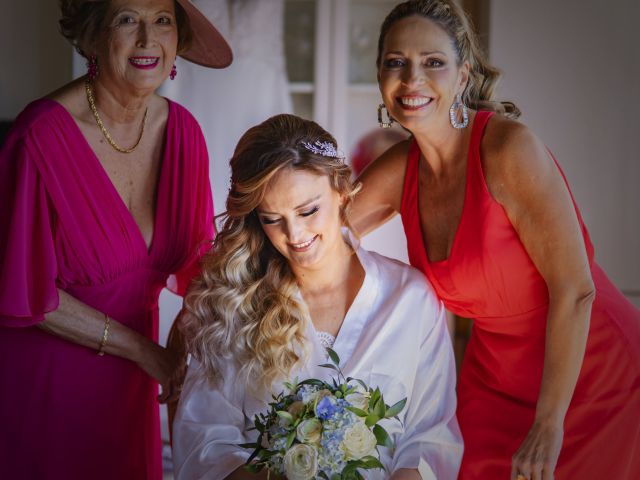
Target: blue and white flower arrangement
column 323, row 430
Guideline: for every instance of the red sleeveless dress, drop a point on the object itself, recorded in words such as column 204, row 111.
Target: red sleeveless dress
column 490, row 278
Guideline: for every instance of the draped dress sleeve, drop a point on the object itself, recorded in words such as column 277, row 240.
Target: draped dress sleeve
column 28, row 267
column 196, row 222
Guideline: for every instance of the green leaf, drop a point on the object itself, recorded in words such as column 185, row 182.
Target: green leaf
column 362, row 384
column 313, row 381
column 375, row 396
column 265, row 455
column 258, row 425
column 285, row 415
column 382, row 436
column 329, row 365
column 248, row 445
column 378, row 408
column 371, row 420
column 348, row 471
column 371, row 462
column 333, row 356
column 357, row 411
column 253, row 455
column 396, row 408
column 254, row 467
column 290, row 438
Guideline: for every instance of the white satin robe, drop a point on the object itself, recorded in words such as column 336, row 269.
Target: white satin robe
column 394, row 336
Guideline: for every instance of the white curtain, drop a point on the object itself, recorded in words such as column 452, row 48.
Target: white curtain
column 227, row 102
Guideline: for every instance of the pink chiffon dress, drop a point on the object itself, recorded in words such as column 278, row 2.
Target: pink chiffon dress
column 65, row 412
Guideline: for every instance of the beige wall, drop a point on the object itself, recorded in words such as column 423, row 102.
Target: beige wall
column 573, row 68
column 34, row 58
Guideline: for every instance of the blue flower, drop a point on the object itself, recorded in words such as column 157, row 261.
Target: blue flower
column 326, row 408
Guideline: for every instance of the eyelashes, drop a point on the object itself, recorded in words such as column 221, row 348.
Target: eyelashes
column 271, row 221
column 393, row 63
column 125, row 19
column 308, row 213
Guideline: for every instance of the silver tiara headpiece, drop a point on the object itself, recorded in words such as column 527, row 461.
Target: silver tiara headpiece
column 326, row 149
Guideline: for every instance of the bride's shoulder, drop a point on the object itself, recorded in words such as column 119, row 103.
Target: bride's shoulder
column 396, row 275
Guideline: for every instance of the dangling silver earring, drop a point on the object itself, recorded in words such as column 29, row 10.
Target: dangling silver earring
column 390, row 119
column 453, row 113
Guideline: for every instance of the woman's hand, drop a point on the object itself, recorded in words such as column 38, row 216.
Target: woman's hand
column 537, row 456
column 168, row 366
column 173, row 386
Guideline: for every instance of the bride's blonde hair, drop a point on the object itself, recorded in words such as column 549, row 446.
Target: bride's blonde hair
column 243, row 308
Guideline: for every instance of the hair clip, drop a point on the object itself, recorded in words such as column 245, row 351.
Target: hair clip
column 326, row 149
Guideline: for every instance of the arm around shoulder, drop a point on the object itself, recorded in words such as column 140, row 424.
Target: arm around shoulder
column 381, row 194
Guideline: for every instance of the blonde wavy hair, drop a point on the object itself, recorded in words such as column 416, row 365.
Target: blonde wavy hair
column 483, row 77
column 244, row 307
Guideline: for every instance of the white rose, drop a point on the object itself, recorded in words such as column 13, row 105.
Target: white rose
column 358, row 441
column 309, row 431
column 358, row 400
column 301, row 462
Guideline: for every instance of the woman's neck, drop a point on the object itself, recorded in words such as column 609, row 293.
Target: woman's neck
column 443, row 148
column 332, row 274
column 119, row 105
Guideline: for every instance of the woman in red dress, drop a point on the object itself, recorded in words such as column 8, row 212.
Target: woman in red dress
column 550, row 383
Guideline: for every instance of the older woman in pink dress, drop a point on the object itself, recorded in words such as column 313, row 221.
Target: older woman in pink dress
column 104, row 196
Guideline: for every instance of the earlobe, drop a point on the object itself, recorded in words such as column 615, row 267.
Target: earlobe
column 464, row 77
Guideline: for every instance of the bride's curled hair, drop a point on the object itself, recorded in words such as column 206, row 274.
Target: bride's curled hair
column 245, row 307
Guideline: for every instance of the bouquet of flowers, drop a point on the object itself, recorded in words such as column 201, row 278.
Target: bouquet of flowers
column 322, row 430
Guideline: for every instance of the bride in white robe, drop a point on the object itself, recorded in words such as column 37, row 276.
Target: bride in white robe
column 384, row 321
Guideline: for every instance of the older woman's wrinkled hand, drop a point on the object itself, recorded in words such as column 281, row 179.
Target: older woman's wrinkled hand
column 168, row 366
column 176, row 371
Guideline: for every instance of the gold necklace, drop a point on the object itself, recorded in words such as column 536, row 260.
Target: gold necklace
column 94, row 110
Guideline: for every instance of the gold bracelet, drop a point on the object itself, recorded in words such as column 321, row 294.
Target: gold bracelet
column 105, row 335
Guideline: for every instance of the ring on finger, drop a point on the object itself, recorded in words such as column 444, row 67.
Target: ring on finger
column 521, row 477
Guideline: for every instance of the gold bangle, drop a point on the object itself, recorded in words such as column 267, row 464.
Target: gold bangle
column 105, row 335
